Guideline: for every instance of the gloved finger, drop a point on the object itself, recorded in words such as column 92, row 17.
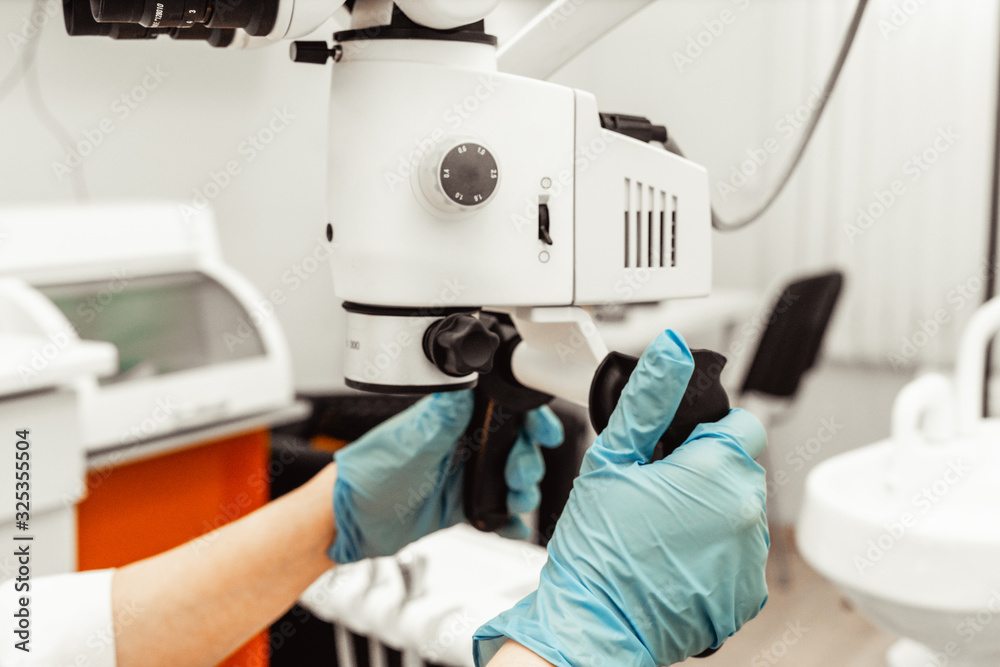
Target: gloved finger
column 543, row 427
column 519, row 502
column 739, row 429
column 439, row 420
column 525, row 466
column 515, row 529
column 648, row 403
column 420, row 434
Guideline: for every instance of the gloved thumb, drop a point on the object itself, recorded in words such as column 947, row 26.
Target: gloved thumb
column 443, row 418
column 647, row 404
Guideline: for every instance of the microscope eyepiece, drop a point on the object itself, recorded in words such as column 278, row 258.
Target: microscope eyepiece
column 212, row 20
column 119, row 11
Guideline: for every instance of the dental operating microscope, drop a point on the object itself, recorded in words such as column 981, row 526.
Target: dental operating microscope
column 475, row 214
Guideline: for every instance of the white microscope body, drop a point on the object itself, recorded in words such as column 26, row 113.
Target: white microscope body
column 453, row 187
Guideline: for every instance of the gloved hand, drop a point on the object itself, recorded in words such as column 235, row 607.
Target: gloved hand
column 400, row 481
column 650, row 563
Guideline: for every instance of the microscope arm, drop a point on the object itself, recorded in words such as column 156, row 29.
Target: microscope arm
column 561, row 31
column 559, row 352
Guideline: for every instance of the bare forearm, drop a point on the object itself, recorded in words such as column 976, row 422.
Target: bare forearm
column 198, row 603
column 512, row 654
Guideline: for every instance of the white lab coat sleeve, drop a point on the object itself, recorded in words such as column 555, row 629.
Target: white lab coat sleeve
column 70, row 621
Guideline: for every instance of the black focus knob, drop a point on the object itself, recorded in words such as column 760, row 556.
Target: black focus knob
column 460, row 344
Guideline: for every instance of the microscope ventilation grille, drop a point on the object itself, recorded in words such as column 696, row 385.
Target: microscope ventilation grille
column 650, row 227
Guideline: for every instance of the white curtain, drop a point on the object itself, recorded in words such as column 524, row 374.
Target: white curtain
column 908, row 139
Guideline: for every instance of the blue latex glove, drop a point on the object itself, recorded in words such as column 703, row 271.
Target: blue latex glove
column 400, row 482
column 650, row 563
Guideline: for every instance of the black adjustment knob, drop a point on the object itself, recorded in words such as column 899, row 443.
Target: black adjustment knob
column 460, row 344
column 312, row 52
column 705, row 399
column 469, row 174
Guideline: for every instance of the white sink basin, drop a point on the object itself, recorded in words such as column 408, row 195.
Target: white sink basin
column 909, row 528
column 920, row 557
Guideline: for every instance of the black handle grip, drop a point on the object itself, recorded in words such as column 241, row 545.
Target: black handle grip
column 488, row 442
column 501, row 403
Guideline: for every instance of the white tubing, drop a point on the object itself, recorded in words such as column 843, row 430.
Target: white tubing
column 927, row 394
column 971, row 366
column 931, row 396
